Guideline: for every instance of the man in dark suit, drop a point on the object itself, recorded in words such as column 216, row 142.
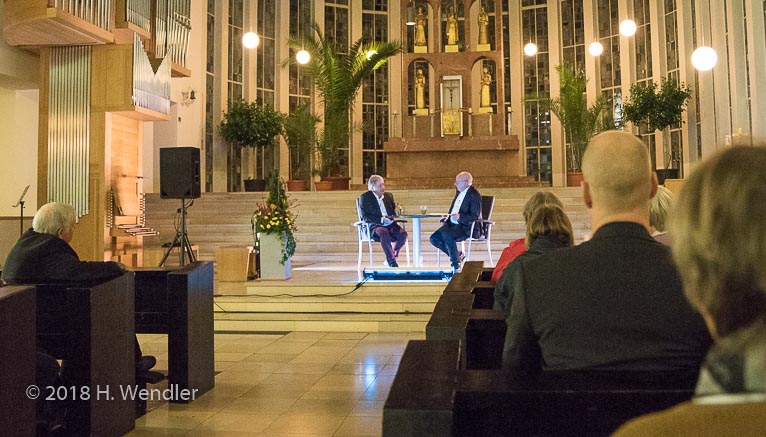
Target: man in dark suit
column 379, row 208
column 614, row 302
column 464, row 210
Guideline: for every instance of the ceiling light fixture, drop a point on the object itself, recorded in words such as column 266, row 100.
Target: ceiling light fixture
column 251, row 40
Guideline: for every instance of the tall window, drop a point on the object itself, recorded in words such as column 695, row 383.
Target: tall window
column 506, row 66
column 234, row 84
column 336, row 25
column 266, row 73
column 299, row 90
column 573, row 34
column 643, row 41
column 672, row 149
column 209, row 95
column 375, row 109
column 537, row 121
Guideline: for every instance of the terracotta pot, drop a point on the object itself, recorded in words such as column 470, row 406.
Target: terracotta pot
column 296, row 185
column 338, row 182
column 574, row 179
column 323, row 185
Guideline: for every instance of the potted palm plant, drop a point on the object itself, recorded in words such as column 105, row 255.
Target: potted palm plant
column 658, row 109
column 299, row 131
column 337, row 76
column 579, row 120
column 250, row 124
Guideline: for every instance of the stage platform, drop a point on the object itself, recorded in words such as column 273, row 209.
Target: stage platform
column 327, row 296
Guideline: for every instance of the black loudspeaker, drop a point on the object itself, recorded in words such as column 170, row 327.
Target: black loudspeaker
column 179, row 173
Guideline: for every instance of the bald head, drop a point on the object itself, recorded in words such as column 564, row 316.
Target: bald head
column 617, row 170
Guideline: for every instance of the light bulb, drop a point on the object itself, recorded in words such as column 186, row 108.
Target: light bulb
column 627, row 28
column 251, row 40
column 303, row 57
column 530, row 49
column 595, row 48
column 704, row 58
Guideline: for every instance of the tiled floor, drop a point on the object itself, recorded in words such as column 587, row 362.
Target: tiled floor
column 301, row 383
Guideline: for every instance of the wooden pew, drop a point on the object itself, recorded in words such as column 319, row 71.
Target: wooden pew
column 431, row 395
column 179, row 302
column 90, row 326
column 17, row 365
column 463, row 313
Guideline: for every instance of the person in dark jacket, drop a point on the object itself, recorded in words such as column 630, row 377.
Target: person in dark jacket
column 464, row 210
column 379, row 209
column 548, row 229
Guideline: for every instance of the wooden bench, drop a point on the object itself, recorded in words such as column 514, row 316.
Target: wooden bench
column 431, row 395
column 17, row 365
column 179, row 303
column 90, row 326
column 464, row 313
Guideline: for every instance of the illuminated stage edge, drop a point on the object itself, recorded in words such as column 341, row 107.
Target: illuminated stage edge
column 406, row 274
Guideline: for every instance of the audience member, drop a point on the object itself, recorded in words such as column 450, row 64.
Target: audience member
column 517, row 247
column 719, row 233
column 614, row 302
column 379, row 208
column 43, row 255
column 548, row 229
column 658, row 212
column 465, row 209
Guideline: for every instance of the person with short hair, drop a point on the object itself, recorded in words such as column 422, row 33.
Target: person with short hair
column 659, row 208
column 548, row 229
column 456, row 225
column 719, row 233
column 614, row 302
column 517, row 247
column 379, row 209
column 43, row 255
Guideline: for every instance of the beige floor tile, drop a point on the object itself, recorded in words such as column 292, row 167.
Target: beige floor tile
column 352, row 381
column 271, row 358
column 307, row 358
column 365, row 357
column 390, row 370
column 262, row 406
column 242, row 377
column 376, row 393
column 331, row 392
column 203, row 403
column 292, row 379
column 302, row 335
column 344, row 336
column 276, row 392
column 286, row 347
column 318, row 425
column 150, row 432
column 242, row 346
column 163, row 418
column 321, row 407
column 203, row 432
column 336, row 342
column 231, row 356
column 305, row 368
column 360, row 426
column 252, row 366
column 368, row 408
column 229, row 390
column 356, row 369
column 252, row 423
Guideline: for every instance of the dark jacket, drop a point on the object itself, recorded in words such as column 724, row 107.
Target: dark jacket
column 371, row 210
column 39, row 258
column 508, row 284
column 470, row 211
column 613, row 303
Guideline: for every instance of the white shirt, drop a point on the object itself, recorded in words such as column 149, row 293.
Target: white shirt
column 382, row 206
column 456, row 206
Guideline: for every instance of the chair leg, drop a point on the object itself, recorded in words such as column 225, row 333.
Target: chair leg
column 407, row 251
column 438, row 258
column 369, row 245
column 359, row 258
column 489, row 252
column 462, row 247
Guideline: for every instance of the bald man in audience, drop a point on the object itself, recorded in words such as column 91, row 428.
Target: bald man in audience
column 614, row 302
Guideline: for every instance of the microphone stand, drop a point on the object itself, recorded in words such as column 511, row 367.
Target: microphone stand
column 21, row 215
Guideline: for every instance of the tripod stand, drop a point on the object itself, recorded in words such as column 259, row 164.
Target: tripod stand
column 181, row 240
column 21, row 204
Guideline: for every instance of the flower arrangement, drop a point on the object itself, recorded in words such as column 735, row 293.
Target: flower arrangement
column 274, row 217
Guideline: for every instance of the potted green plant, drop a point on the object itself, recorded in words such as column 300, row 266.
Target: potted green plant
column 337, row 75
column 579, row 120
column 250, row 124
column 658, row 108
column 299, row 131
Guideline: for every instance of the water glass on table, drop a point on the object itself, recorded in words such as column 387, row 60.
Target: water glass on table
column 424, row 209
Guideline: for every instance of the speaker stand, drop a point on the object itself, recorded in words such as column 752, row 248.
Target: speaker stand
column 181, row 240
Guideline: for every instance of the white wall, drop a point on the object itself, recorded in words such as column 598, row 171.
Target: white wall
column 18, row 149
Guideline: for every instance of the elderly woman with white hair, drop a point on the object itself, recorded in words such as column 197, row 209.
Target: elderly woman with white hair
column 719, row 244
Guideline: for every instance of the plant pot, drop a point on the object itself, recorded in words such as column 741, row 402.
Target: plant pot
column 668, row 173
column 270, row 255
column 255, row 185
column 338, row 182
column 323, row 185
column 296, row 185
column 574, row 178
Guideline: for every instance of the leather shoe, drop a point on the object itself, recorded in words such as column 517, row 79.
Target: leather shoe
column 393, row 264
column 145, row 363
column 460, row 257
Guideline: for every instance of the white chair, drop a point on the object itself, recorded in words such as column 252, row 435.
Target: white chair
column 365, row 236
column 487, row 205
